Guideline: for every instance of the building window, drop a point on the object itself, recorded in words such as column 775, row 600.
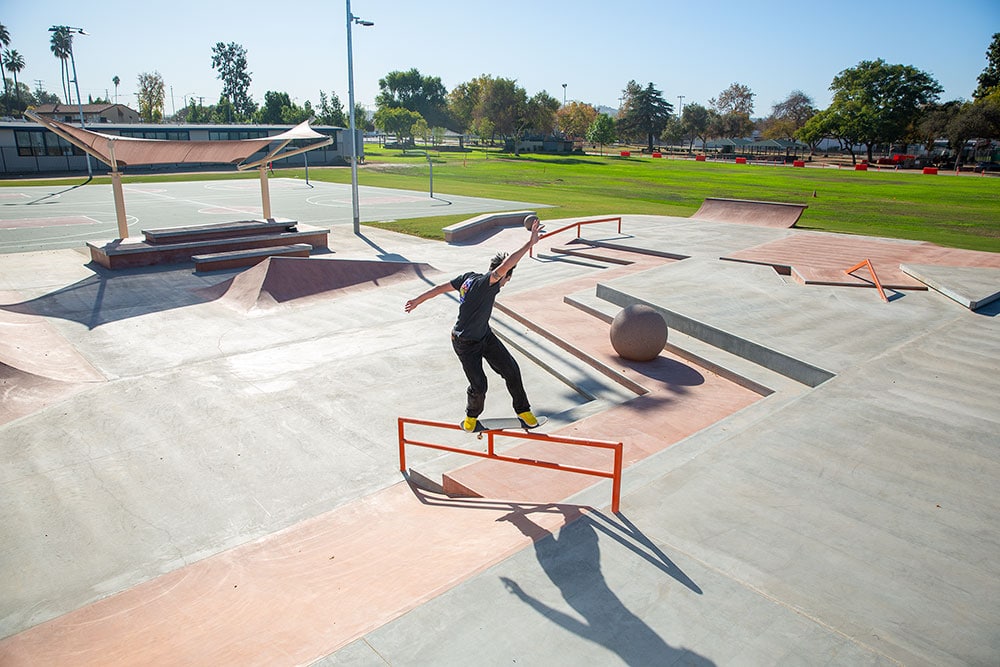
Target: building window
column 40, row 143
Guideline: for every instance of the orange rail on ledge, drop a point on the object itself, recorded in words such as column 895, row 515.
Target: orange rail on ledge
column 871, row 268
column 578, row 225
column 615, row 475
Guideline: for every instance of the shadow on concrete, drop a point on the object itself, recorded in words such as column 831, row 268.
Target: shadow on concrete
column 44, row 199
column 110, row 296
column 572, row 561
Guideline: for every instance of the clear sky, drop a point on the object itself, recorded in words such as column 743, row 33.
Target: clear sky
column 694, row 49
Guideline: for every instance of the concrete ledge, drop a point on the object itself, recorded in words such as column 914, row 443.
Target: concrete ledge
column 467, row 229
column 133, row 252
column 790, row 367
column 218, row 231
column 220, row 261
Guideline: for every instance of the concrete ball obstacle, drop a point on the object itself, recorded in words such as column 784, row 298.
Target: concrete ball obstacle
column 638, row 333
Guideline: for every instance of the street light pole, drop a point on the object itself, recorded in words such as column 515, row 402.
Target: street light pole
column 564, row 94
column 351, row 18
column 76, row 82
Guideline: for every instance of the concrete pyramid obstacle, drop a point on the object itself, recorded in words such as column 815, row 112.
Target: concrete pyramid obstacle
column 279, row 280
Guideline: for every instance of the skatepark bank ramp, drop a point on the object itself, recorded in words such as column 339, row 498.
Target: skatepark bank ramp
column 278, row 280
column 749, row 212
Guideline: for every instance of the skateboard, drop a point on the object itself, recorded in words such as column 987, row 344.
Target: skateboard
column 504, row 424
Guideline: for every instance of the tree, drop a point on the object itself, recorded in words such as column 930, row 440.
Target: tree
column 115, row 80
column 601, row 131
column 878, row 102
column 61, row 46
column 540, row 113
column 989, row 79
column 151, row 97
column 645, row 112
column 575, row 118
column 4, row 43
column 815, row 130
column 274, row 105
column 500, row 108
column 697, row 120
column 789, row 116
column 934, row 122
column 737, row 99
column 331, row 111
column 425, row 95
column 733, row 108
column 231, row 61
column 13, row 62
column 462, row 102
column 398, row 121
column 673, row 131
column 974, row 120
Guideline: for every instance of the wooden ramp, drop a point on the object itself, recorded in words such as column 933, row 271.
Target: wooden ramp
column 749, row 212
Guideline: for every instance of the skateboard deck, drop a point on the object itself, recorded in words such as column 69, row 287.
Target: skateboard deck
column 503, row 424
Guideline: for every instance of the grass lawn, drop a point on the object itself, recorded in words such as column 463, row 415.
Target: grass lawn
column 957, row 211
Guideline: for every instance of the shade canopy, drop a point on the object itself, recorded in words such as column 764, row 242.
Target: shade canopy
column 118, row 151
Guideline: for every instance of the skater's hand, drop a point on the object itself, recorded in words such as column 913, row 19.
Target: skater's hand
column 536, row 231
column 410, row 305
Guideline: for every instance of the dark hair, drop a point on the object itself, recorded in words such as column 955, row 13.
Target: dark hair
column 498, row 260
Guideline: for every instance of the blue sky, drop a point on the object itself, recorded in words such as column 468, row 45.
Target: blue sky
column 694, row 49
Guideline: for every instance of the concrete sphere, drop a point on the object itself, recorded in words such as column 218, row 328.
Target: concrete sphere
column 638, row 333
column 529, row 220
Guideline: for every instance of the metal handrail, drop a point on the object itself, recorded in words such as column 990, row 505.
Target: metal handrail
column 578, row 225
column 878, row 285
column 615, row 475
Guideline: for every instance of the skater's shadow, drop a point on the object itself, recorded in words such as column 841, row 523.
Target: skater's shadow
column 571, row 559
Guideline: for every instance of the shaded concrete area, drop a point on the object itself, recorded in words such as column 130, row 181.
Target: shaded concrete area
column 229, row 493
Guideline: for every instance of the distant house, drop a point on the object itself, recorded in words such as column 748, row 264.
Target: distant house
column 93, row 114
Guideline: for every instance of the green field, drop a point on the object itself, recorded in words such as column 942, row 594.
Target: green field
column 957, row 211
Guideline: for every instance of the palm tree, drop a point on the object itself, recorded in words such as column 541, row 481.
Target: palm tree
column 115, row 80
column 4, row 42
column 62, row 44
column 14, row 62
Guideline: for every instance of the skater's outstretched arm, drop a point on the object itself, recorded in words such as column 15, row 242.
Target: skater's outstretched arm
column 429, row 294
column 512, row 259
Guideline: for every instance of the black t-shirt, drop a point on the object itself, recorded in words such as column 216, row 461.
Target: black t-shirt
column 476, row 297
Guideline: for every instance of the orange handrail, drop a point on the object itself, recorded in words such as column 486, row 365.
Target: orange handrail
column 871, row 268
column 615, row 475
column 578, row 225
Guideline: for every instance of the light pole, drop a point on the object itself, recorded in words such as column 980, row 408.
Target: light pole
column 680, row 104
column 80, row 31
column 351, row 18
column 564, row 94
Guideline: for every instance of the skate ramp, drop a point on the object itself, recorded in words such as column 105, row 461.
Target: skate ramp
column 37, row 365
column 280, row 280
column 748, row 212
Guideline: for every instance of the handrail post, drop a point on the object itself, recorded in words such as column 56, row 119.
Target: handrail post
column 616, row 481
column 402, row 446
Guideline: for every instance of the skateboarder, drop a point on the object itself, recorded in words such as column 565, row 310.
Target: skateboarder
column 472, row 338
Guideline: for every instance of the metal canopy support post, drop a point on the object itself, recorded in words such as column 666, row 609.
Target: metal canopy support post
column 265, row 193
column 116, row 189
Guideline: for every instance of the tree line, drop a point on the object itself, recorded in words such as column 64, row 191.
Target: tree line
column 874, row 103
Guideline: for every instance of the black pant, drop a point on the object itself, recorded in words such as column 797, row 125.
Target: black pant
column 471, row 353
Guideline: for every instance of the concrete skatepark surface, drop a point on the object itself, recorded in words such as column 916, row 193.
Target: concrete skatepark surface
column 812, row 472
